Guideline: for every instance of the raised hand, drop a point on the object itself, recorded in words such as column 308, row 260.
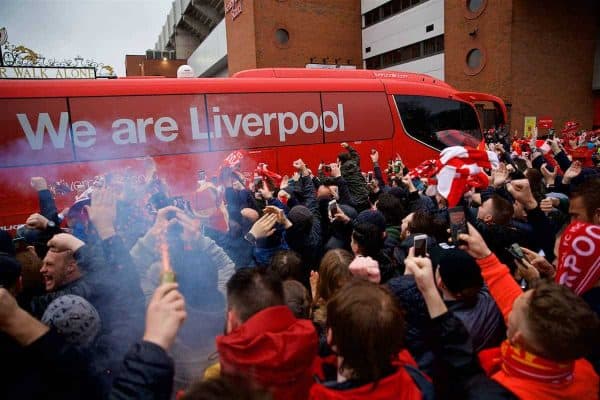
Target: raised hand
column 299, row 165
column 38, row 183
column 421, row 269
column 164, row 217
column 335, row 170
column 284, row 182
column 499, row 175
column 573, row 171
column 540, row 263
column 374, row 156
column 340, row 216
column 165, row 315
column 64, row 242
column 521, row 191
column 527, row 271
column 103, row 212
column 473, row 243
column 281, row 218
column 549, row 176
column 264, row 227
column 37, row 221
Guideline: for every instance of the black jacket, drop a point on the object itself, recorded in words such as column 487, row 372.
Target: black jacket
column 146, row 374
column 418, row 334
column 356, row 183
column 111, row 284
column 49, row 368
column 483, row 320
column 457, row 373
column 306, row 240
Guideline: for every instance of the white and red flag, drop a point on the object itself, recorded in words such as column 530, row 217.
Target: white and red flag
column 461, row 168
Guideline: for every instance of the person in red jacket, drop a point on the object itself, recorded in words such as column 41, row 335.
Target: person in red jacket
column 550, row 330
column 365, row 328
column 264, row 342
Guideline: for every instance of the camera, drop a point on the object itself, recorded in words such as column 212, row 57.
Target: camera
column 201, row 176
column 160, row 200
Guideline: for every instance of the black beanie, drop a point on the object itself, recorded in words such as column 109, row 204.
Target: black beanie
column 6, row 243
column 10, row 270
column 301, row 218
column 458, row 270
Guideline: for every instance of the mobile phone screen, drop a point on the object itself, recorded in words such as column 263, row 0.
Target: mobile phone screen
column 458, row 223
column 420, row 246
column 333, row 208
column 516, row 251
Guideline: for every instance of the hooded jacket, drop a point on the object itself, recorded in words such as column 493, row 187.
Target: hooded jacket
column 275, row 349
column 402, row 384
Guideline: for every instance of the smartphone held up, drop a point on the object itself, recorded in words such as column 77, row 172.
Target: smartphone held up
column 420, row 246
column 516, row 251
column 458, row 223
column 332, row 208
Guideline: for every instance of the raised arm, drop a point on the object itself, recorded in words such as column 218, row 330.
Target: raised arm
column 503, row 287
column 47, row 204
column 148, row 371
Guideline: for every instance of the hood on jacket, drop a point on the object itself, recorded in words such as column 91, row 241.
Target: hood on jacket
column 399, row 385
column 273, row 347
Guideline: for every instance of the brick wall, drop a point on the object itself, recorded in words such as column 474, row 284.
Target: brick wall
column 490, row 32
column 538, row 55
column 553, row 47
column 137, row 65
column 241, row 42
column 329, row 32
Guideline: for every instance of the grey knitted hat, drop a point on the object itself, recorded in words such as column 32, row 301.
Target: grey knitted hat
column 74, row 318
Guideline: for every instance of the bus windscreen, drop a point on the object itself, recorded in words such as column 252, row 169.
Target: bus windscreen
column 439, row 122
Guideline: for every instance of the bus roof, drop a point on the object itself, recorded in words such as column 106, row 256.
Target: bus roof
column 339, row 74
column 263, row 80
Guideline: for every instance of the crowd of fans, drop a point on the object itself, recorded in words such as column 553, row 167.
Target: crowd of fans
column 311, row 286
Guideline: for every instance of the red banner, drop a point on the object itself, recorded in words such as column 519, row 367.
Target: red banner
column 544, row 122
column 42, row 131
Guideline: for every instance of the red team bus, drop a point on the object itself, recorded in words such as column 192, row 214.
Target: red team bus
column 71, row 131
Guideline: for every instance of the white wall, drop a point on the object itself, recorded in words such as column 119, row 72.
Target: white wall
column 210, row 51
column 368, row 5
column 433, row 66
column 405, row 28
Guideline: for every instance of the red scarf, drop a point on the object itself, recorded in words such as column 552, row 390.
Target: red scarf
column 519, row 363
column 579, row 257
